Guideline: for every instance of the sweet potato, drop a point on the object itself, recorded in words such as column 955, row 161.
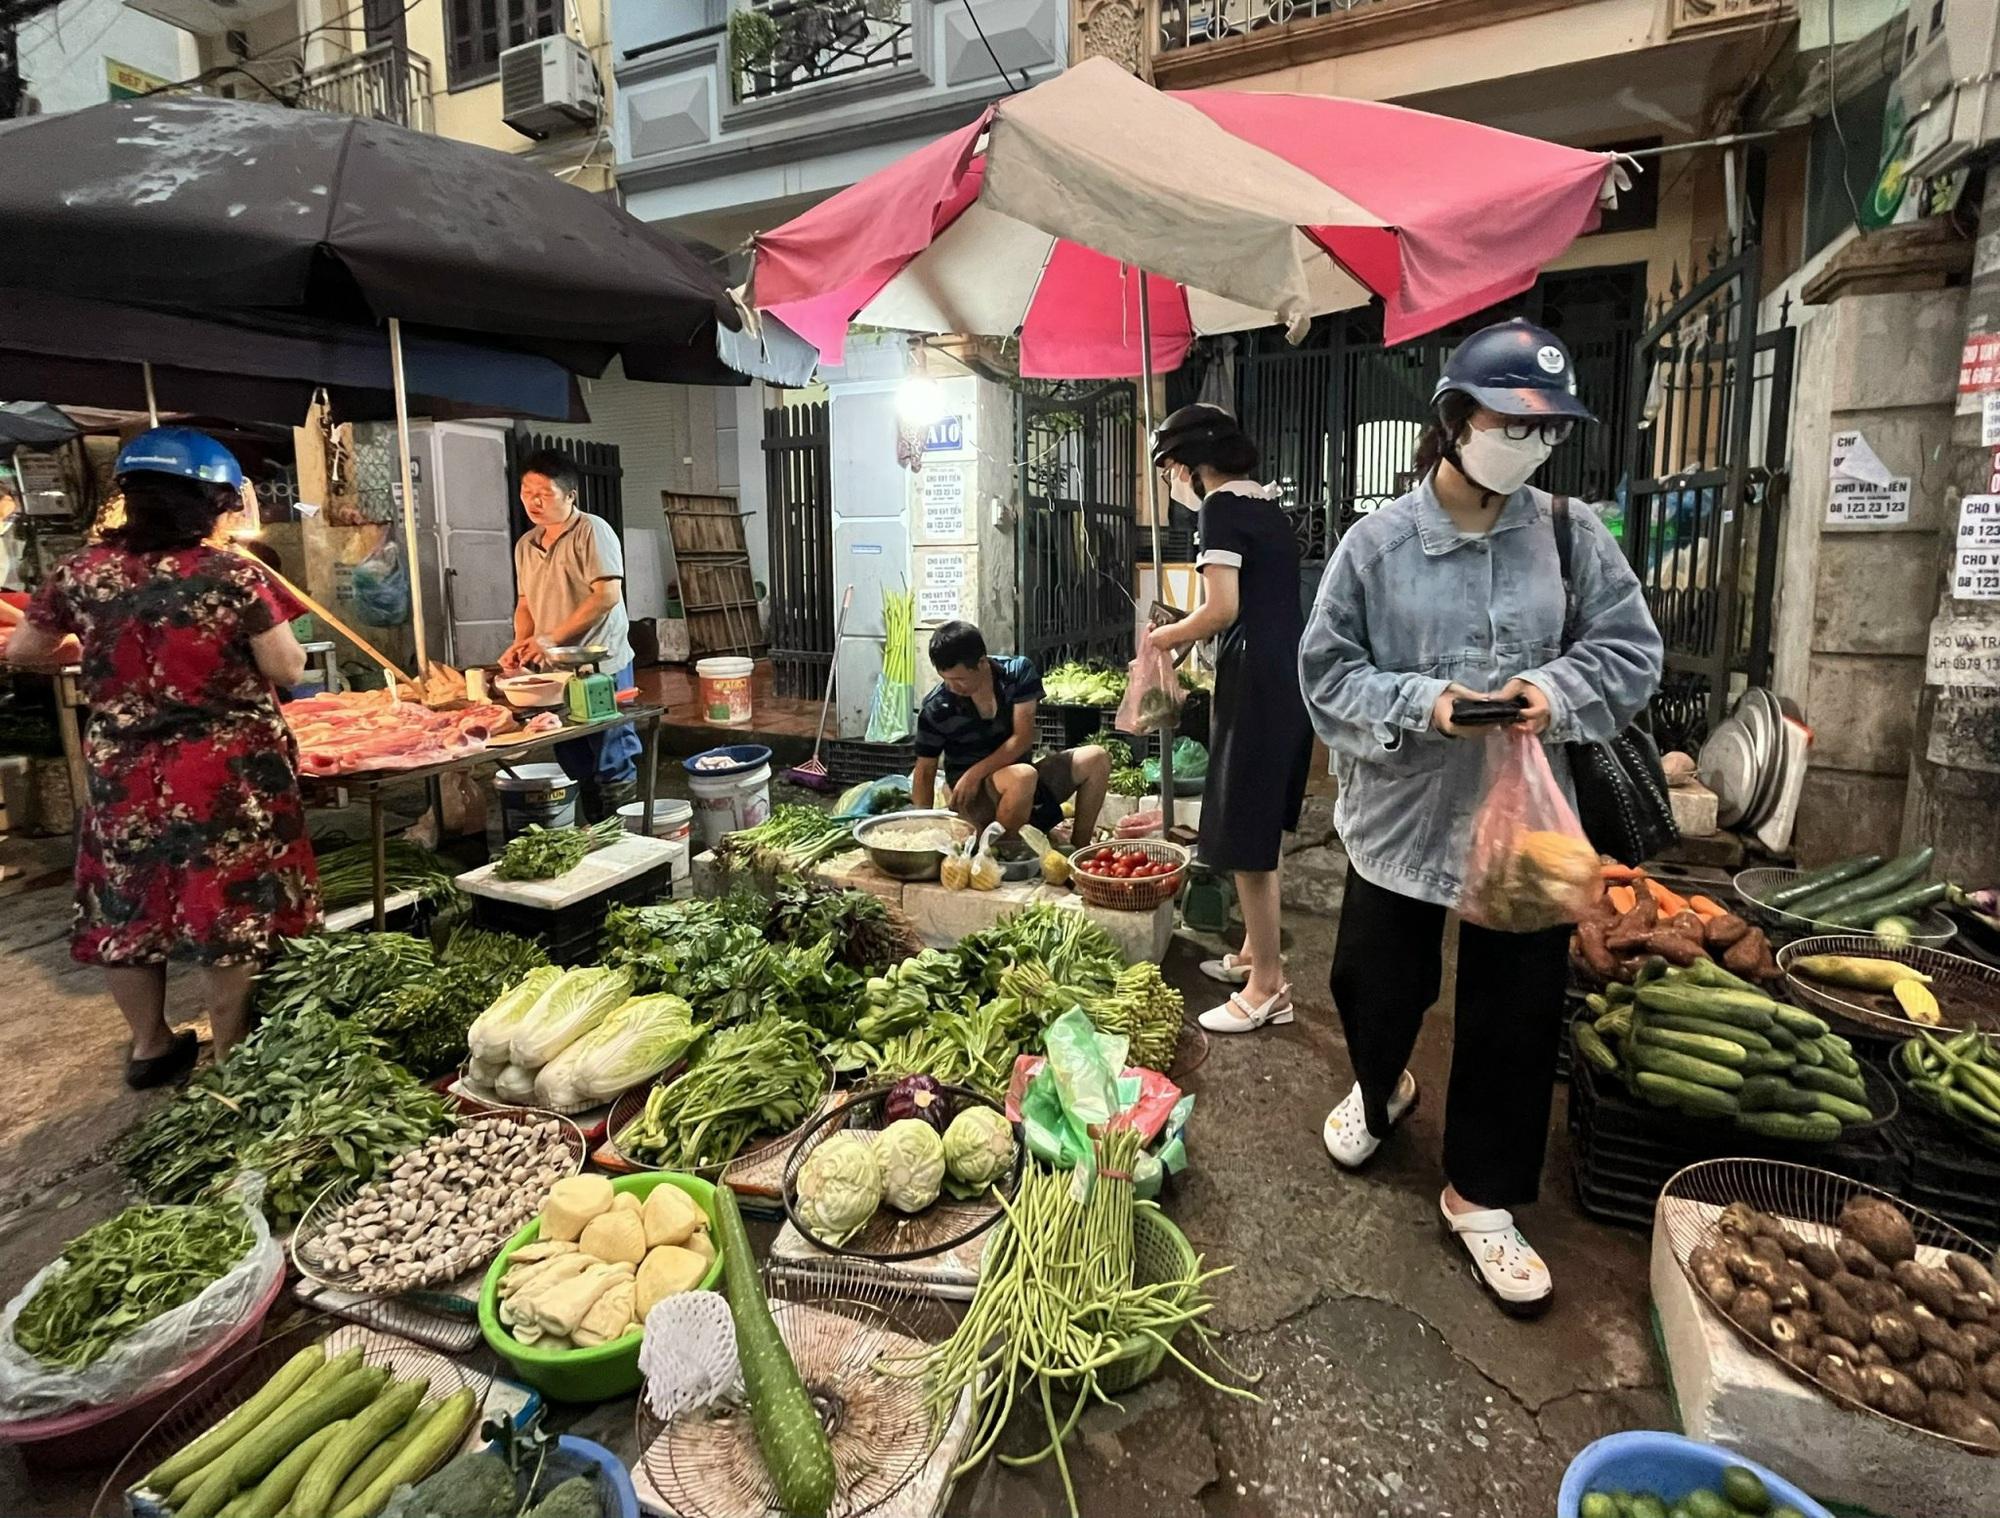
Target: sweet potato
column 1673, row 948
column 1686, row 924
column 1598, row 958
column 1745, row 955
column 1722, row 932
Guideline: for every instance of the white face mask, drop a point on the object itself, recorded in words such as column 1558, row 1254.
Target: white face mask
column 1500, row 464
column 1180, row 486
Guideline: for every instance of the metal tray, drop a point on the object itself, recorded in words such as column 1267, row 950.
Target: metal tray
column 1968, row 992
column 1934, row 929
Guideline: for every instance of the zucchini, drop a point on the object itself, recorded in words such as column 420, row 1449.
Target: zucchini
column 1820, row 906
column 1593, row 1048
column 253, row 1456
column 1683, row 1067
column 1746, row 1039
column 1904, row 903
column 358, row 1480
column 1822, row 880
column 1773, row 1093
column 268, row 1497
column 1684, row 1096
column 1734, row 1007
column 380, row 1419
column 1841, row 1108
column 794, row 1444
column 1818, row 1078
column 1798, row 1022
column 419, row 1451
column 1719, row 1051
column 329, row 1375
column 191, row 1457
column 1793, row 1127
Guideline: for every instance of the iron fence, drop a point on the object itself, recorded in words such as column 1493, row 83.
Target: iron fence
column 1190, row 23
column 778, row 46
column 798, row 490
column 386, row 82
column 1078, row 445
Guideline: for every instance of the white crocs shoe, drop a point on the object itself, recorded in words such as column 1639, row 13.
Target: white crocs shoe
column 1346, row 1134
column 1507, row 1263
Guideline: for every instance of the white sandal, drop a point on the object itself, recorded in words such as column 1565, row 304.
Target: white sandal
column 1345, row 1132
column 1238, row 1016
column 1230, row 970
column 1507, row 1263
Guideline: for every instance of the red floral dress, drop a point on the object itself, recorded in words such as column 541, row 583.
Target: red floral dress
column 192, row 844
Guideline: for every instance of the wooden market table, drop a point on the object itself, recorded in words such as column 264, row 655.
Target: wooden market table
column 372, row 783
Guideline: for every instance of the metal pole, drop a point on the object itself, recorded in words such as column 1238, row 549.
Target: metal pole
column 409, row 491
column 152, row 401
column 1166, row 734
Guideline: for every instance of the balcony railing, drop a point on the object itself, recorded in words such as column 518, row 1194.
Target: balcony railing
column 384, row 83
column 1189, row 23
column 1693, row 15
column 777, row 46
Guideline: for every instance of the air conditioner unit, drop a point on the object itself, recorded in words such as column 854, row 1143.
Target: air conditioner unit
column 1951, row 49
column 548, row 85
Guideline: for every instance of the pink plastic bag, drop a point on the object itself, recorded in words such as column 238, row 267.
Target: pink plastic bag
column 1530, row 866
column 1152, row 693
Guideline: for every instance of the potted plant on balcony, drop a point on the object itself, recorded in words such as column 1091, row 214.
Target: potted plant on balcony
column 753, row 38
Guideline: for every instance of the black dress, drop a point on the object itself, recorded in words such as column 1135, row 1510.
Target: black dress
column 1260, row 738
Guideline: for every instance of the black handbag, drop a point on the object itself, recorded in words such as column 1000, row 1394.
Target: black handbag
column 1621, row 789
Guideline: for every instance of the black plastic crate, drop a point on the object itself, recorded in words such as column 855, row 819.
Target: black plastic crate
column 849, row 761
column 1949, row 1174
column 571, row 934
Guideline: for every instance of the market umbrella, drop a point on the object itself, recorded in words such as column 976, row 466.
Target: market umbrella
column 1043, row 218
column 261, row 368
column 31, row 424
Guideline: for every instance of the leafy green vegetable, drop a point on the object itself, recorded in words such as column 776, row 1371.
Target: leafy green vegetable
column 347, row 874
column 1119, row 750
column 973, row 1049
column 125, row 1272
column 839, row 1187
column 1074, row 684
column 754, row 1079
column 978, row 1149
column 541, row 853
column 867, row 936
column 791, row 838
column 340, row 973
column 1129, row 780
column 1070, row 946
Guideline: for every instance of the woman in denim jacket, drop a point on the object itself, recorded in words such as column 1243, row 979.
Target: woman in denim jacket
column 1451, row 592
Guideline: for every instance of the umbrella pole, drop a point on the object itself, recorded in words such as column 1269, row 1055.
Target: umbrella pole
column 1159, row 569
column 152, row 401
column 409, row 489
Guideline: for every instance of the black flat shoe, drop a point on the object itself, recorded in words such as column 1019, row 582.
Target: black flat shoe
column 141, row 1074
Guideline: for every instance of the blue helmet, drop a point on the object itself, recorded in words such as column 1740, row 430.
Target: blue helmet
column 1516, row 369
column 182, row 452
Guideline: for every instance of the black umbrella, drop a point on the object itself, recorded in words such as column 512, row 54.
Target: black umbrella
column 30, row 424
column 223, row 205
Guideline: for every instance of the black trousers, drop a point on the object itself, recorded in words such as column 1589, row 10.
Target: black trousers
column 1387, row 968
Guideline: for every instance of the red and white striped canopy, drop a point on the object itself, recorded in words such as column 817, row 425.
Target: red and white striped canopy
column 1246, row 210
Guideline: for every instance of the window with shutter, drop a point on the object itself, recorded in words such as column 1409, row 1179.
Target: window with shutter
column 480, row 30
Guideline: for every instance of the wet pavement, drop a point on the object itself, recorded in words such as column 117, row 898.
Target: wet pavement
column 1391, row 1386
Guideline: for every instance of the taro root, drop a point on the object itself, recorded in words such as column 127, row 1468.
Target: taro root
column 1820, row 1260
column 1975, row 1278
column 1749, row 1270
column 1765, row 1246
column 1857, row 1259
column 1875, row 1354
column 1968, row 1307
column 1957, row 1418
column 1879, row 1227
column 1929, row 1285
column 1934, row 1370
column 1791, row 1243
column 1711, row 1275
column 1934, row 1333
column 1785, row 1332
column 1801, row 1357
column 1890, row 1391
column 1795, row 1288
column 1752, row 1312
column 1872, row 1296
column 1895, row 1334
column 1842, row 1377
column 1989, row 1378
column 1983, row 1338
column 1840, row 1316
column 1844, row 1350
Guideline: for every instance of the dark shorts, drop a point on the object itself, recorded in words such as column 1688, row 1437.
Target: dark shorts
column 1055, row 783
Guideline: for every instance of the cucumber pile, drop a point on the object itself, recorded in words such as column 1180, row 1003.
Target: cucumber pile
column 1864, row 893
column 1740, row 1494
column 1699, row 1041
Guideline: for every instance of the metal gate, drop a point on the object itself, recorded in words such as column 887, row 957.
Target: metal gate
column 1078, row 446
column 601, row 493
column 1707, row 493
column 799, row 492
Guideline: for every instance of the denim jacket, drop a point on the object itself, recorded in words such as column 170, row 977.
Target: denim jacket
column 1409, row 605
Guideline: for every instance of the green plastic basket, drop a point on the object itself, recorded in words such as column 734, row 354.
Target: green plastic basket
column 1160, row 1252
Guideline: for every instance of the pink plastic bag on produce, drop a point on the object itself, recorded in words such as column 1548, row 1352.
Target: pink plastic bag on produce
column 1530, row 867
column 1152, row 693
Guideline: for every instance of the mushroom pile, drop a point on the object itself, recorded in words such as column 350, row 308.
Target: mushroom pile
column 1871, row 1315
column 445, row 1207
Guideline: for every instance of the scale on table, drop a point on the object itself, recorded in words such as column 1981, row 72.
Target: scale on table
column 590, row 696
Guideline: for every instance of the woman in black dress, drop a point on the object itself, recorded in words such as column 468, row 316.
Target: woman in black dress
column 1260, row 738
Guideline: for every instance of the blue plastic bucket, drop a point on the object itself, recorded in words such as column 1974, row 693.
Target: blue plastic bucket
column 1669, row 1467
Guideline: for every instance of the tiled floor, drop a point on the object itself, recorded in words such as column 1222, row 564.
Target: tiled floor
column 674, row 687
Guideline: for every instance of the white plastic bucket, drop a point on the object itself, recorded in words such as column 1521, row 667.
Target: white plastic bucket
column 725, row 691
column 730, row 803
column 672, row 819
column 539, row 793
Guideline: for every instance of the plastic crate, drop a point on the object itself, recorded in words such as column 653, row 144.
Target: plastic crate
column 571, row 934
column 1950, row 1176
column 1059, row 727
column 850, row 761
column 1624, row 1150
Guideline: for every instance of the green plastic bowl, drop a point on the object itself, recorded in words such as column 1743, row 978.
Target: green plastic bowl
column 603, row 1371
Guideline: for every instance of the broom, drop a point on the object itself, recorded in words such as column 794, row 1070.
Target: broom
column 812, row 774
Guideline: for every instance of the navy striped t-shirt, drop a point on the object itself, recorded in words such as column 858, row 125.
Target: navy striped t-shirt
column 951, row 726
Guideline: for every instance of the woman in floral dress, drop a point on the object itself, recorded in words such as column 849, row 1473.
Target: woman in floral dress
column 192, row 843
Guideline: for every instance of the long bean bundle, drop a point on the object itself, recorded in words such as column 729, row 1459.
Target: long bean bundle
column 347, row 874
column 1056, row 1305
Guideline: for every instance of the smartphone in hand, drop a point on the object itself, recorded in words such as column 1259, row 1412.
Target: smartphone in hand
column 1469, row 711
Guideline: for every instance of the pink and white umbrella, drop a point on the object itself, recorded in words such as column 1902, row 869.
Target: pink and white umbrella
column 1246, row 210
